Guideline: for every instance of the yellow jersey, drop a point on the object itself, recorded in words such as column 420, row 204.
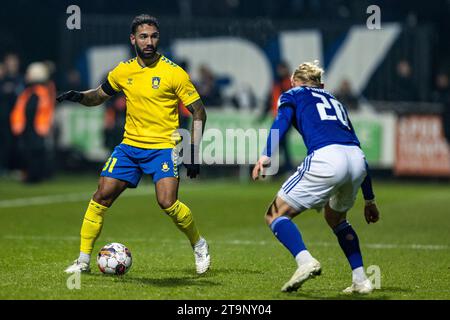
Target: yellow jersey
column 152, row 93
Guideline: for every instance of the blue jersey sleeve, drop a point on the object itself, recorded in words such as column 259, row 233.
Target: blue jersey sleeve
column 366, row 185
column 287, row 99
column 281, row 124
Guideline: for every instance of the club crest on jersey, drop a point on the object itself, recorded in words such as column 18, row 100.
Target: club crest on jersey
column 155, row 82
column 165, row 167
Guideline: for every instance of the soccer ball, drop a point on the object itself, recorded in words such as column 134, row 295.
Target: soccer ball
column 114, row 258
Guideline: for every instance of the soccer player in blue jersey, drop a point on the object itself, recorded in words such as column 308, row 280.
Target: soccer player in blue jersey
column 329, row 177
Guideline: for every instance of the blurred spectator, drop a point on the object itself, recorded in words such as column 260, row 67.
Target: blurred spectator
column 115, row 116
column 404, row 88
column 281, row 84
column 51, row 67
column 31, row 122
column 346, row 97
column 2, row 71
column 11, row 83
column 183, row 113
column 207, row 87
column 441, row 94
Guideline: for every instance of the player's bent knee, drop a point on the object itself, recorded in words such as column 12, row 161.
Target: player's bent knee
column 333, row 217
column 271, row 214
column 103, row 198
column 166, row 203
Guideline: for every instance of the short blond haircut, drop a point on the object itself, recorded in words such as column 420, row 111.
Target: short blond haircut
column 310, row 73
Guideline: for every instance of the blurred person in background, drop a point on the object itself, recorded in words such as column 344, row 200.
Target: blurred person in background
column 207, row 87
column 31, row 122
column 282, row 83
column 11, row 84
column 441, row 94
column 345, row 95
column 404, row 88
column 51, row 67
column 184, row 115
column 115, row 115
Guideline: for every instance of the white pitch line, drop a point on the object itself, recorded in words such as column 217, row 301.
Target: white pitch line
column 73, row 197
column 236, row 242
column 62, row 198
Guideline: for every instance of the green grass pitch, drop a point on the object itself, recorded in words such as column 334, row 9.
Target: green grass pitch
column 40, row 226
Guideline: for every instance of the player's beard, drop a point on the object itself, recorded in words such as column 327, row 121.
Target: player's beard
column 144, row 55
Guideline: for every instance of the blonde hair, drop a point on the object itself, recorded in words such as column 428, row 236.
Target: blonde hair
column 310, row 73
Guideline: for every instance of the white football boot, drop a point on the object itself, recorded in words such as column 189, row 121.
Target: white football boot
column 364, row 287
column 304, row 272
column 78, row 267
column 202, row 258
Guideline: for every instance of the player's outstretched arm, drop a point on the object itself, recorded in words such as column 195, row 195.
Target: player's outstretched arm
column 89, row 98
column 371, row 212
column 279, row 127
column 198, row 126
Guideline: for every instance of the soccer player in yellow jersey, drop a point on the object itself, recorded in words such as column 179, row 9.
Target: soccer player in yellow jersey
column 153, row 85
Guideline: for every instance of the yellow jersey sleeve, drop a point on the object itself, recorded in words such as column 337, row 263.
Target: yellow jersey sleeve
column 114, row 78
column 184, row 88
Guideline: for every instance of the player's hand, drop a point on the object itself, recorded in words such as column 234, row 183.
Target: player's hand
column 371, row 212
column 263, row 162
column 193, row 169
column 71, row 95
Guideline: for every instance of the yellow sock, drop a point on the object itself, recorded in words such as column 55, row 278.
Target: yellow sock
column 182, row 216
column 92, row 226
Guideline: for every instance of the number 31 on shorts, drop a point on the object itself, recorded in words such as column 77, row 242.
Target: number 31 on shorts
column 110, row 163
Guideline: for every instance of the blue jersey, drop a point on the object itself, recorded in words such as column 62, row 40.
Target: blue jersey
column 317, row 115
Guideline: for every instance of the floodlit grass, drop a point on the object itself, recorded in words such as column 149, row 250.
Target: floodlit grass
column 410, row 244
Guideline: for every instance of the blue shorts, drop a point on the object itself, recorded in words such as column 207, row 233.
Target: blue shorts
column 128, row 163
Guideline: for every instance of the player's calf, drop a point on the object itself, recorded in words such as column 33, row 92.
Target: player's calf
column 279, row 208
column 349, row 243
column 278, row 217
column 182, row 217
column 333, row 217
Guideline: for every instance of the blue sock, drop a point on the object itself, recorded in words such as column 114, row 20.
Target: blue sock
column 348, row 240
column 288, row 234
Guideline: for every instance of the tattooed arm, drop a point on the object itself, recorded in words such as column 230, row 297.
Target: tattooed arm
column 198, row 120
column 198, row 125
column 89, row 98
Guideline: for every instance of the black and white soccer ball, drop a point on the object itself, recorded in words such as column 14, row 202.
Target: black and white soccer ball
column 114, row 258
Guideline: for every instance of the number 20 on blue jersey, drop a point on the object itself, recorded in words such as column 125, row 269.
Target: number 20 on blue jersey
column 328, row 103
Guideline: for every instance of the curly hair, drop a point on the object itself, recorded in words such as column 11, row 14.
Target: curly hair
column 309, row 73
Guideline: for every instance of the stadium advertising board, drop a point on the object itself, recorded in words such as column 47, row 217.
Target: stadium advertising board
column 230, row 137
column 421, row 147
